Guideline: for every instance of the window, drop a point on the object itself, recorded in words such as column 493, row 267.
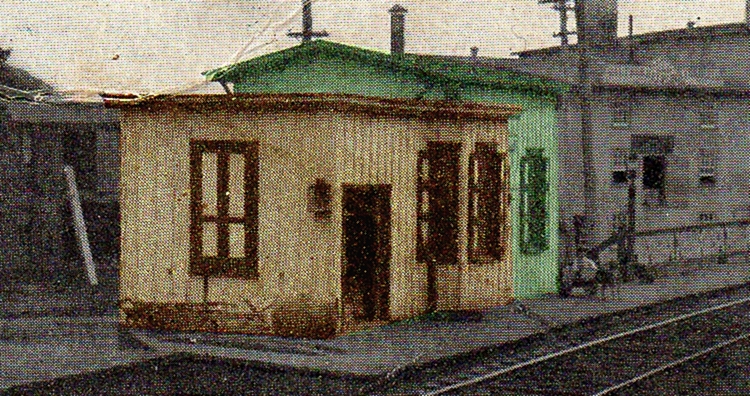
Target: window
column 706, row 166
column 533, row 202
column 488, row 202
column 621, row 112
column 224, row 209
column 619, row 166
column 437, row 203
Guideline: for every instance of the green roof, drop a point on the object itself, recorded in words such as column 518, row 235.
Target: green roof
column 428, row 70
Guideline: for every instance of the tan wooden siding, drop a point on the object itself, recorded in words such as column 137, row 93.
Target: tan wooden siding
column 298, row 255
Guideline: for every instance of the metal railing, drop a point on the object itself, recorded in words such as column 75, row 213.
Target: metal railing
column 659, row 248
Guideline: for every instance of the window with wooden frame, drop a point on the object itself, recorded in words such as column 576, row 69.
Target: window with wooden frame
column 437, row 203
column 533, row 202
column 224, row 208
column 488, row 202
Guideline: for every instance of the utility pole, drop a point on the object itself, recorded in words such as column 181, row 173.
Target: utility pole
column 630, row 231
column 562, row 7
column 307, row 32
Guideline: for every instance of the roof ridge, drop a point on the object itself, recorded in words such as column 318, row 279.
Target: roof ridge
column 430, row 69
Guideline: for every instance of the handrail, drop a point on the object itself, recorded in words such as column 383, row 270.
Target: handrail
column 695, row 227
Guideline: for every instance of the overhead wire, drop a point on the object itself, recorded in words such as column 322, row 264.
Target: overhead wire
column 247, row 49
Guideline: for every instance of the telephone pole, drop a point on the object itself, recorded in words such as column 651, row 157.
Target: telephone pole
column 307, row 32
column 562, row 7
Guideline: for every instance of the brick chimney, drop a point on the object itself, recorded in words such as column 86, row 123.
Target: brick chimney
column 397, row 29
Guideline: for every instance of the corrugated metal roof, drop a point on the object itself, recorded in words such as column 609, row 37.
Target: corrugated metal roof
column 429, row 69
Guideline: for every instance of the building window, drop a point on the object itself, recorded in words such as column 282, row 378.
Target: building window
column 621, row 112
column 533, row 202
column 224, row 208
column 488, row 202
column 706, row 167
column 619, row 166
column 437, row 203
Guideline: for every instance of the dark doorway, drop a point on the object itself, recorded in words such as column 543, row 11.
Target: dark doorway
column 367, row 250
column 654, row 167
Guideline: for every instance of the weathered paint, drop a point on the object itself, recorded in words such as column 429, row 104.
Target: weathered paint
column 536, row 127
column 299, row 257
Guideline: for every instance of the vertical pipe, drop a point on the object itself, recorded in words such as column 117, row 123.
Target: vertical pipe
column 80, row 224
column 631, row 43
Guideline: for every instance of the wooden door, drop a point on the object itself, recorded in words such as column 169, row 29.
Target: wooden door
column 367, row 250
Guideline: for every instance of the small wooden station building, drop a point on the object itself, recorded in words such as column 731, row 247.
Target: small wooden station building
column 327, row 67
column 308, row 214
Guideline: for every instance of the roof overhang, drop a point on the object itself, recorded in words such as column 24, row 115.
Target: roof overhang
column 321, row 103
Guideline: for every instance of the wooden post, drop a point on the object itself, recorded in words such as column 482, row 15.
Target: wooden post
column 80, row 224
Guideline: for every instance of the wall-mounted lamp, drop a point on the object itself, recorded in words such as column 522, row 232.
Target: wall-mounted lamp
column 319, row 199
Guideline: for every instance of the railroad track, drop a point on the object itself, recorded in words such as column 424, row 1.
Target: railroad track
column 601, row 366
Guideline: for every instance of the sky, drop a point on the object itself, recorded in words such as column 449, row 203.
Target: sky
column 148, row 46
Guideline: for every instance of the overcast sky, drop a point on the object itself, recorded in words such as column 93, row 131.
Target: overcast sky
column 152, row 45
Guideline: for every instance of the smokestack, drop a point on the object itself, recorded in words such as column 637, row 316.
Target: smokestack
column 397, row 29
column 596, row 22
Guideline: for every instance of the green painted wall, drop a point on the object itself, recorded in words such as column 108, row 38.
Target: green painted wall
column 535, row 127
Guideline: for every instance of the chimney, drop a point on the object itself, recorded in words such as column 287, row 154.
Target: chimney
column 397, row 29
column 747, row 13
column 475, row 51
column 596, row 22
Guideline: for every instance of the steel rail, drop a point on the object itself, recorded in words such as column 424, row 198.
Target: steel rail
column 671, row 365
column 589, row 344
